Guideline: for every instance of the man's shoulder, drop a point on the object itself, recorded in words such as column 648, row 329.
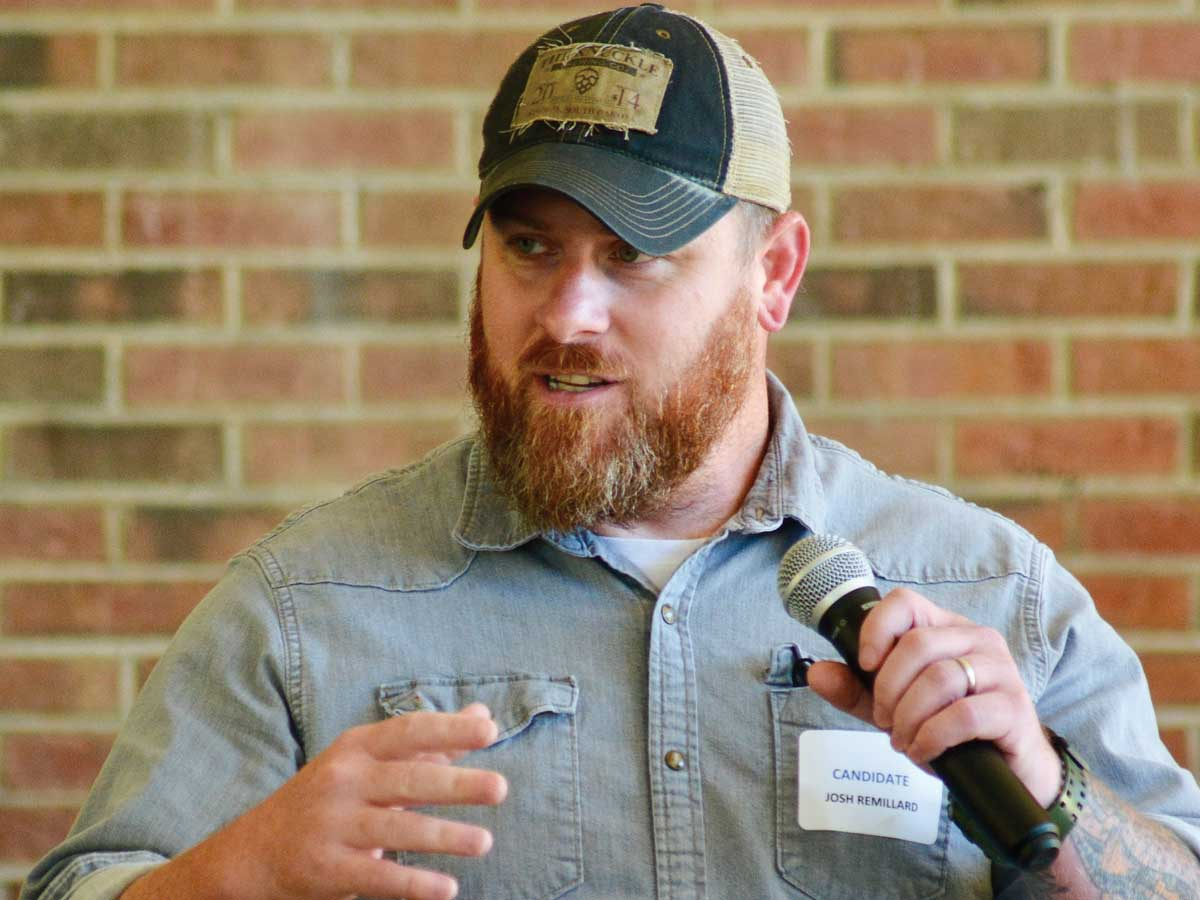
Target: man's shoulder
column 916, row 531
column 393, row 530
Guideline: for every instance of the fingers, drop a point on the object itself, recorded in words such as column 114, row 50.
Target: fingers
column 983, row 716
column 837, row 684
column 405, row 736
column 900, row 611
column 384, row 878
column 401, row 829
column 923, row 660
column 420, row 783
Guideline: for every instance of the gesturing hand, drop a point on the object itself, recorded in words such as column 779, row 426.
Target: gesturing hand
column 922, row 694
column 323, row 834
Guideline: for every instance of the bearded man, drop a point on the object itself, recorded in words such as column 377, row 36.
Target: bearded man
column 582, row 597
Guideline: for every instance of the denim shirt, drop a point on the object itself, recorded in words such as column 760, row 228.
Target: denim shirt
column 649, row 739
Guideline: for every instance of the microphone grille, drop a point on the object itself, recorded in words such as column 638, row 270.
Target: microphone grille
column 816, row 566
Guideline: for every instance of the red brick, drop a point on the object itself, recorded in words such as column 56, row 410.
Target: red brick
column 41, row 762
column 144, row 668
column 939, row 214
column 903, row 292
column 234, row 220
column 417, row 218
column 414, row 373
column 940, row 55
column 818, row 4
column 1114, row 52
column 195, row 535
column 320, row 139
column 99, row 609
column 904, row 446
column 1067, row 447
column 1144, row 366
column 350, row 5
column 28, row 834
column 51, row 533
column 233, row 374
column 1047, row 520
column 341, row 453
column 1157, row 526
column 114, row 140
column 56, row 686
column 76, row 298
column 1163, row 210
column 51, row 218
column 1158, row 131
column 1068, row 290
column 782, row 52
column 51, row 375
column 793, row 361
column 850, row 135
column 105, row 608
column 1141, row 601
column 280, row 297
column 1173, row 677
column 1176, row 741
column 47, row 60
column 425, row 59
column 115, row 453
column 106, row 5
column 1074, row 134
column 220, row 59
column 928, row 369
column 561, row 10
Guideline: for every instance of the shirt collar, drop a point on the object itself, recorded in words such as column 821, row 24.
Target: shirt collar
column 787, row 486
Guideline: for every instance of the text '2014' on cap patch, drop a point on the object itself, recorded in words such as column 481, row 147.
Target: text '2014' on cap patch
column 599, row 84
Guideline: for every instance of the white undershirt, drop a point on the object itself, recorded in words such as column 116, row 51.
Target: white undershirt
column 657, row 559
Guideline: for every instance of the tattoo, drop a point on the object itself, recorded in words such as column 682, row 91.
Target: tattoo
column 1114, row 852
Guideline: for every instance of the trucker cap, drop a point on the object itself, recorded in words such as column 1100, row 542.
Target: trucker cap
column 652, row 120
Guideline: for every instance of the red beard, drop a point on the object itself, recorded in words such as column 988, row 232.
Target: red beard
column 570, row 468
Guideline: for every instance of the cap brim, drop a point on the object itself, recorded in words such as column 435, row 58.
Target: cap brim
column 656, row 212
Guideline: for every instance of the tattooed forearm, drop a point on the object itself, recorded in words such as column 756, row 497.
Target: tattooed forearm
column 1115, row 852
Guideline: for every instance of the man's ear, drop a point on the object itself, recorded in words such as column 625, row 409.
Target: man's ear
column 783, row 256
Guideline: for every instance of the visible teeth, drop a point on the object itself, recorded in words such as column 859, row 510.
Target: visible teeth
column 572, row 383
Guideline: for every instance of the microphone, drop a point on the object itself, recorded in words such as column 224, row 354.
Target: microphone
column 827, row 584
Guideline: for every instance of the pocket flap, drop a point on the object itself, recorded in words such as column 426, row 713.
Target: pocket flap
column 515, row 700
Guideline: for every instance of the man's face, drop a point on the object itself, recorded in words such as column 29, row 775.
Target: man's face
column 603, row 377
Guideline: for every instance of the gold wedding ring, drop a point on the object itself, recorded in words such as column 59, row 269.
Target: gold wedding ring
column 969, row 671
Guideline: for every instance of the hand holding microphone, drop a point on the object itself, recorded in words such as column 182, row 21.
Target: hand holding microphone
column 946, row 689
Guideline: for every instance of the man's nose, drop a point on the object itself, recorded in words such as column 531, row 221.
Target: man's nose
column 576, row 305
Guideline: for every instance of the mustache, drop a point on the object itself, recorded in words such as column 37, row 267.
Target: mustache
column 548, row 354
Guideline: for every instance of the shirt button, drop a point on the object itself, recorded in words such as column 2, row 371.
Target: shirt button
column 675, row 760
column 668, row 614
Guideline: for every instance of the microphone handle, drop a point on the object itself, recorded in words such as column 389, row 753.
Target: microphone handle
column 998, row 804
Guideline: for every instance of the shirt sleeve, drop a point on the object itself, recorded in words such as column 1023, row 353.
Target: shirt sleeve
column 212, row 734
column 1096, row 696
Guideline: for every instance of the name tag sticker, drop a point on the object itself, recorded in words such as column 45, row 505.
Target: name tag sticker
column 853, row 781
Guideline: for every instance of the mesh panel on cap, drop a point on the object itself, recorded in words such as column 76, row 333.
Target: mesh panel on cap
column 830, row 560
column 760, row 163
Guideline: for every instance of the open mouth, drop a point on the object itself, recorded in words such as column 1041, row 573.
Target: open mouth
column 575, row 384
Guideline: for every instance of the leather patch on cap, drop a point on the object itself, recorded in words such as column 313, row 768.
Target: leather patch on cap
column 602, row 84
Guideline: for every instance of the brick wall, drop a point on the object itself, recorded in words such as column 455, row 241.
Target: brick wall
column 230, row 283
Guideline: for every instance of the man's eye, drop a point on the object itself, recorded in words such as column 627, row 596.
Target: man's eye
column 527, row 245
column 629, row 254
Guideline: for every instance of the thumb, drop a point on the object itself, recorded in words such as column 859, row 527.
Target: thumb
column 835, row 683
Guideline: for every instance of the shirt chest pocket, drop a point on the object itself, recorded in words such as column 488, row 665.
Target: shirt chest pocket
column 832, row 865
column 537, row 853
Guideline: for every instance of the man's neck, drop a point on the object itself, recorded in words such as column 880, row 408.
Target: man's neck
column 714, row 493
